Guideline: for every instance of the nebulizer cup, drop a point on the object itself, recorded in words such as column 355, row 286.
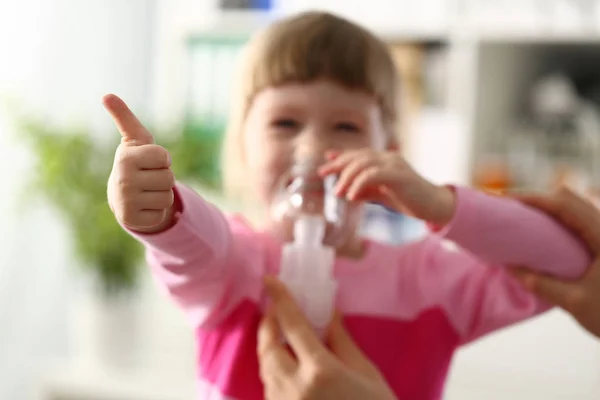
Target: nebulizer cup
column 303, row 193
column 311, row 220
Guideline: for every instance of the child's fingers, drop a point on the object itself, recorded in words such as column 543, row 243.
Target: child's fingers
column 339, row 162
column 132, row 130
column 368, row 178
column 352, row 170
column 331, row 154
column 376, row 195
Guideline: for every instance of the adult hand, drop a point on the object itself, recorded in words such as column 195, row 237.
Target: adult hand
column 579, row 298
column 307, row 369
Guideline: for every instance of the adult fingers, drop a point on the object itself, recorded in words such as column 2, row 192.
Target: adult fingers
column 274, row 357
column 295, row 327
column 345, row 348
column 555, row 291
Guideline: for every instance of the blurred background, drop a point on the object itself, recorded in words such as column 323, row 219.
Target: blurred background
column 496, row 94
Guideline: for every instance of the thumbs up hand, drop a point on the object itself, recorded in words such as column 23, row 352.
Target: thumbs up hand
column 140, row 186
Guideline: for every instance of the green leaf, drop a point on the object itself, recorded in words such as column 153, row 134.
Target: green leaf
column 71, row 172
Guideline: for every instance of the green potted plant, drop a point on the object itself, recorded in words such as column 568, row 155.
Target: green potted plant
column 70, row 172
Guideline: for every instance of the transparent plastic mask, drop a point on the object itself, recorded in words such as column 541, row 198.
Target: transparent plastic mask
column 303, row 192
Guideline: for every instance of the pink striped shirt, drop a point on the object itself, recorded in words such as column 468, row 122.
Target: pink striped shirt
column 408, row 307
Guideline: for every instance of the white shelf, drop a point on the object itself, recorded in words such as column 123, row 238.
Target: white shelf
column 75, row 384
column 517, row 37
column 428, row 20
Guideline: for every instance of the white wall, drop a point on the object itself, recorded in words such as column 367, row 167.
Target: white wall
column 58, row 57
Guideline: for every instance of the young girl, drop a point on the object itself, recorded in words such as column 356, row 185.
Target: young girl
column 319, row 85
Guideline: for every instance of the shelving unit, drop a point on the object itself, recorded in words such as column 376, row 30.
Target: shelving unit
column 493, row 50
column 73, row 384
column 519, row 62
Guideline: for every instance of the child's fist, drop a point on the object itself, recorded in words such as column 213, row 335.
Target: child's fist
column 140, row 187
column 386, row 178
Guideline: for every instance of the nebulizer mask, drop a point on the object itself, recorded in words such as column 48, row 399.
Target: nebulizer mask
column 312, row 219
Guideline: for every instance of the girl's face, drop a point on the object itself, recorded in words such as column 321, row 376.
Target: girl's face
column 295, row 119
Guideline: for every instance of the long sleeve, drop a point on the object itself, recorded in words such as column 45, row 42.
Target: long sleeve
column 197, row 259
column 491, row 232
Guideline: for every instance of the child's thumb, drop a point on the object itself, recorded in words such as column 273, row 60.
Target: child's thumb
column 132, row 131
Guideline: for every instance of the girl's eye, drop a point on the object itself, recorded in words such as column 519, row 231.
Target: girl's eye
column 285, row 123
column 347, row 127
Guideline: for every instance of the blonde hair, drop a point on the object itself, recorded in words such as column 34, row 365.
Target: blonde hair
column 304, row 48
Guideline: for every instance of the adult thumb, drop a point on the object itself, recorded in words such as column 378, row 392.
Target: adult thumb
column 132, row 131
column 345, row 348
column 550, row 289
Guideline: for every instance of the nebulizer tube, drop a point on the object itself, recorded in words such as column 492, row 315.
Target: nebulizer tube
column 315, row 217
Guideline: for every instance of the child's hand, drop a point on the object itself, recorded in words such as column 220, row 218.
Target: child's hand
column 386, row 178
column 140, row 187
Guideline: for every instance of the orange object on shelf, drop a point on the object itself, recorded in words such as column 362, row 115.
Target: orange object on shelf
column 492, row 177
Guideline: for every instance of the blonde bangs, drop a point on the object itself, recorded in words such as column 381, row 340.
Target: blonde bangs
column 304, row 48
column 318, row 45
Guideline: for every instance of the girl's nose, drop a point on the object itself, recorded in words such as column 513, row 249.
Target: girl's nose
column 312, row 145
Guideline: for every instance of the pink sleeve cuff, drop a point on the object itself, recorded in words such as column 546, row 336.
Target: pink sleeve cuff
column 180, row 227
column 460, row 220
column 435, row 228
